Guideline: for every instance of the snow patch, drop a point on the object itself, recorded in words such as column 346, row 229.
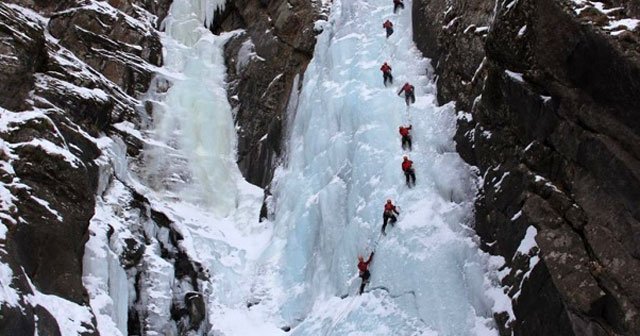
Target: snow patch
column 522, row 31
column 515, row 76
column 466, row 116
column 51, row 149
column 528, row 242
column 8, row 295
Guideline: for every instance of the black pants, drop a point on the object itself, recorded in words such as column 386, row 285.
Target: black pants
column 365, row 279
column 409, row 98
column 396, row 6
column 406, row 142
column 385, row 219
column 410, row 175
column 386, row 76
column 389, row 32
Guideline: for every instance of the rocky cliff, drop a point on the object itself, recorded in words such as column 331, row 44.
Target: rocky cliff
column 264, row 62
column 547, row 97
column 83, row 249
column 69, row 71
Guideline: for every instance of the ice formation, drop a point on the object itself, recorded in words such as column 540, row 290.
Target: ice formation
column 343, row 160
column 189, row 174
column 194, row 120
column 344, row 155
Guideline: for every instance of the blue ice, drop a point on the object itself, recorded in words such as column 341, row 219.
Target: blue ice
column 343, row 162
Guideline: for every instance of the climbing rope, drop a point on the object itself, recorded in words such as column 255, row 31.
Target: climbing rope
column 343, row 313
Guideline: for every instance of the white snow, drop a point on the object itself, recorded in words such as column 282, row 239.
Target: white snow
column 8, row 295
column 52, row 149
column 246, row 53
column 516, row 216
column 482, row 30
column 71, row 89
column 525, row 247
column 31, row 14
column 502, row 302
column 529, row 241
column 46, row 205
column 466, row 116
column 70, row 316
column 515, row 75
column 498, row 185
column 511, row 4
column 522, row 30
column 451, row 23
column 469, row 28
column 526, row 149
column 616, row 24
column 627, row 24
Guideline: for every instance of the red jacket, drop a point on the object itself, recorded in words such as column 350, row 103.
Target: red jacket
column 397, row 1
column 407, row 88
column 389, row 207
column 387, row 24
column 406, row 164
column 385, row 68
column 364, row 265
column 404, row 131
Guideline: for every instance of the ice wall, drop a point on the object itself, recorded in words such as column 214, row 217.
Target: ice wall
column 190, row 165
column 194, row 154
column 344, row 156
column 189, row 175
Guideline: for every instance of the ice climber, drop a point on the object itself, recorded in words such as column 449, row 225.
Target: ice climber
column 409, row 173
column 389, row 213
column 406, row 137
column 397, row 4
column 389, row 27
column 363, row 267
column 386, row 74
column 409, row 96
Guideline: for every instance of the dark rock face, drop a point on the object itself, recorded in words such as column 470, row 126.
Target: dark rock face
column 452, row 34
column 23, row 57
column 108, row 44
column 262, row 62
column 553, row 127
column 188, row 310
column 48, row 220
column 69, row 70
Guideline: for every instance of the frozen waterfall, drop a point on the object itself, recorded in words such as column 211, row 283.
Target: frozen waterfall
column 194, row 122
column 344, row 155
column 298, row 271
